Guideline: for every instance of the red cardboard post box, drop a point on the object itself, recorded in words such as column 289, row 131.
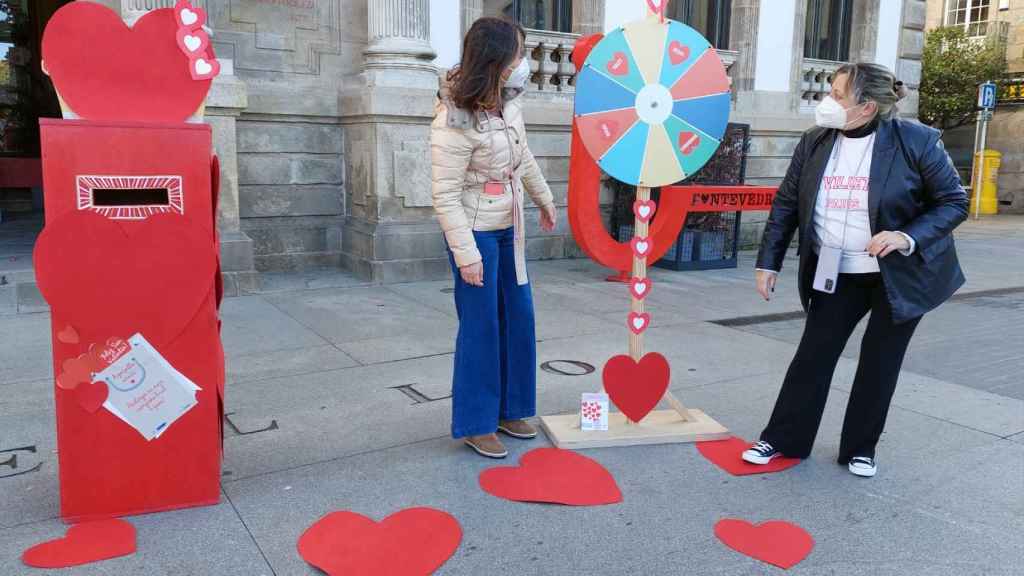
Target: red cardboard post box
column 130, row 248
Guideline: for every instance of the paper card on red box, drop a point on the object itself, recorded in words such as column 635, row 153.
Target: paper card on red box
column 594, row 412
column 145, row 391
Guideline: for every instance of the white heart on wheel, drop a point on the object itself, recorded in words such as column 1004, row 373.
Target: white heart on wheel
column 188, row 17
column 645, row 211
column 641, row 247
column 640, row 288
column 203, row 67
column 193, row 43
column 638, row 323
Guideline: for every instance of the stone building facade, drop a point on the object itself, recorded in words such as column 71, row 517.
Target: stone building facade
column 321, row 114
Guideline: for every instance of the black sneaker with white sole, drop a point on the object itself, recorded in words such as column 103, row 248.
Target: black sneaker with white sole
column 761, row 453
column 863, row 466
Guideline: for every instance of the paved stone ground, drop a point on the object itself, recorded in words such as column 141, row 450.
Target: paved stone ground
column 322, row 357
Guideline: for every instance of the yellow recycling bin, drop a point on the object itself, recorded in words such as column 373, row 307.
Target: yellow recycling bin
column 987, row 162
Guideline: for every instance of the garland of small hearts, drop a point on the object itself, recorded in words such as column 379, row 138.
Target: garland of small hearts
column 194, row 42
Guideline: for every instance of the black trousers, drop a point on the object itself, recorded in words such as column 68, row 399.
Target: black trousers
column 831, row 319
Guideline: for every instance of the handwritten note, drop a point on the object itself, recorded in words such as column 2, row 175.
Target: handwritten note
column 145, row 391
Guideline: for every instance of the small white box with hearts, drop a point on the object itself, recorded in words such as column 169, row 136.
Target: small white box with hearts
column 594, row 412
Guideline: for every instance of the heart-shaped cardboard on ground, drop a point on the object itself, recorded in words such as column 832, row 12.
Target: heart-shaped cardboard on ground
column 411, row 542
column 104, row 276
column 105, row 70
column 553, row 476
column 726, row 454
column 779, row 543
column 636, row 387
column 82, row 544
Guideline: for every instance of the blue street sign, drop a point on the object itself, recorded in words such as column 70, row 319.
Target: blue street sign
column 987, row 95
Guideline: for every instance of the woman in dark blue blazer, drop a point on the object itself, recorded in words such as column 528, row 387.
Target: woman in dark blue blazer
column 874, row 200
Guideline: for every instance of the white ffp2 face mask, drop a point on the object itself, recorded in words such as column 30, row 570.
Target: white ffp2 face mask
column 519, row 76
column 830, row 114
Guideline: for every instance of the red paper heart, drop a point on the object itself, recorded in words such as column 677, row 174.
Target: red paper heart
column 119, row 279
column 82, row 544
column 636, row 387
column 204, row 67
column 106, row 71
column 91, row 395
column 678, row 52
column 776, row 542
column 619, row 64
column 726, row 454
column 644, row 210
column 68, row 335
column 553, row 476
column 192, row 42
column 608, row 129
column 640, row 288
column 641, row 246
column 188, row 16
column 688, row 142
column 638, row 323
column 414, row 541
column 75, row 371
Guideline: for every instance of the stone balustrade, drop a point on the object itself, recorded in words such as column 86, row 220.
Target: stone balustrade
column 548, row 54
column 816, row 81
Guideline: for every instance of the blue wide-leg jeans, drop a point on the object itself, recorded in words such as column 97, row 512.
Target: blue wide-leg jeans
column 495, row 352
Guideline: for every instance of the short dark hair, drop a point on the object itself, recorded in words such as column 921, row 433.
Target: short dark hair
column 490, row 46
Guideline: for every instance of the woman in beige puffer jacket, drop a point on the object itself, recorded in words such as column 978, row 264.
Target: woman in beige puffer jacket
column 480, row 166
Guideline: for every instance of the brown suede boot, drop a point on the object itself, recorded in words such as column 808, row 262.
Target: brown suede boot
column 517, row 429
column 487, row 445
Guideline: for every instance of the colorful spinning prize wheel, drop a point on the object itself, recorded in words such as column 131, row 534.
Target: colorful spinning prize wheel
column 652, row 102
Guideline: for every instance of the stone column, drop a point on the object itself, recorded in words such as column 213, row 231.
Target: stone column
column 864, row 31
column 471, row 11
column 390, row 233
column 227, row 99
column 399, row 41
column 911, row 48
column 588, row 16
column 743, row 39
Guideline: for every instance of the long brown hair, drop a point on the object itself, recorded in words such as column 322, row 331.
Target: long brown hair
column 490, row 46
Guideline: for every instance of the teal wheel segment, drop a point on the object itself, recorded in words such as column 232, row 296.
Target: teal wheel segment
column 709, row 114
column 683, row 47
column 693, row 147
column 625, row 159
column 596, row 92
column 613, row 57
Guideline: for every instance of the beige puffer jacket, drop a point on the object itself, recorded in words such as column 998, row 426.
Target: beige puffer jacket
column 468, row 150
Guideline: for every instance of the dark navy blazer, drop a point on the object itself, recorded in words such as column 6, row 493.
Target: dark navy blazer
column 913, row 188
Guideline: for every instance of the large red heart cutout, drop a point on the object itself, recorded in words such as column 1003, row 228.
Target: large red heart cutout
column 105, row 70
column 636, row 387
column 412, row 542
column 726, row 455
column 84, row 543
column 111, row 278
column 553, row 476
column 776, row 542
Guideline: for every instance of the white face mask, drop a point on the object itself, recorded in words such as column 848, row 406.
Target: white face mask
column 831, row 114
column 517, row 79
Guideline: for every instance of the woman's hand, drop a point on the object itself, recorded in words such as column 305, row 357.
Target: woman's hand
column 884, row 243
column 473, row 274
column 548, row 217
column 765, row 283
